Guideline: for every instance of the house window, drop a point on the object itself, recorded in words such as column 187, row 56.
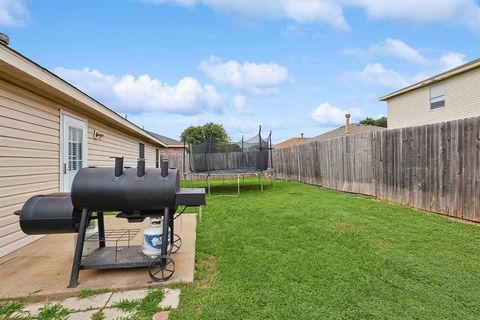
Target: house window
column 157, row 158
column 437, row 99
column 141, row 150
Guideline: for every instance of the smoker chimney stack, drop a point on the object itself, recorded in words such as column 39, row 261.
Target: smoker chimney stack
column 347, row 123
column 141, row 167
column 4, row 39
column 118, row 166
column 164, row 168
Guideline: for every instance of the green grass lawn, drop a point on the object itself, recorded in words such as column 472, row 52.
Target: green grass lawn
column 303, row 252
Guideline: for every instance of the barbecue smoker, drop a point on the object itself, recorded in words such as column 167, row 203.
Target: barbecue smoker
column 136, row 193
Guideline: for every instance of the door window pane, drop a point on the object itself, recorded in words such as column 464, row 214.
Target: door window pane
column 75, row 156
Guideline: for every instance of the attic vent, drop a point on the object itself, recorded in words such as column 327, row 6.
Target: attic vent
column 4, row 39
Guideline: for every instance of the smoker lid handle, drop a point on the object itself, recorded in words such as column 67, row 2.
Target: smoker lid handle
column 17, row 213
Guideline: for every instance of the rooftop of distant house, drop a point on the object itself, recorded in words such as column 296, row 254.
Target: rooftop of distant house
column 290, row 142
column 340, row 131
column 169, row 142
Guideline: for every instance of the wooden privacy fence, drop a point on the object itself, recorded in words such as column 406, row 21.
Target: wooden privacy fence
column 175, row 160
column 435, row 167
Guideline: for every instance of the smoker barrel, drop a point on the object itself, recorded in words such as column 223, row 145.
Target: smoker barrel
column 98, row 189
column 53, row 213
column 136, row 192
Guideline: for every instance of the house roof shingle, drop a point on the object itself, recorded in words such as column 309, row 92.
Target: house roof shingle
column 290, row 142
column 340, row 131
column 169, row 142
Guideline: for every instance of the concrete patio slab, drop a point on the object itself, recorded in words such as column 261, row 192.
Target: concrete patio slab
column 43, row 267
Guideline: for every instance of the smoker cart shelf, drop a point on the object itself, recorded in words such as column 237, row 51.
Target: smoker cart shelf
column 120, row 257
column 115, row 235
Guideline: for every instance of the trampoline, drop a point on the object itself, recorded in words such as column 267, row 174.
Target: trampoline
column 214, row 159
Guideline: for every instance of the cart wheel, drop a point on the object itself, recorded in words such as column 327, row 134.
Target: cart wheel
column 176, row 245
column 161, row 269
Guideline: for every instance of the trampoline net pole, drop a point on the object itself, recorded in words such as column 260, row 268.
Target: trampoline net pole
column 184, row 168
column 260, row 155
column 244, row 165
column 270, row 149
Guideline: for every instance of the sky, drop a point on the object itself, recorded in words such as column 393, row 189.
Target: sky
column 292, row 66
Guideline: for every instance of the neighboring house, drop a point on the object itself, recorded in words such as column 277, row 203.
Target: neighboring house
column 290, row 142
column 348, row 128
column 451, row 95
column 49, row 130
column 174, row 151
column 172, row 146
column 341, row 131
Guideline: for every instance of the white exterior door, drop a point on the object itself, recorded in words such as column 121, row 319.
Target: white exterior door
column 74, row 140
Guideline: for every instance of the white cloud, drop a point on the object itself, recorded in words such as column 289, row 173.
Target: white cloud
column 328, row 115
column 263, row 78
column 377, row 74
column 455, row 12
column 303, row 11
column 451, row 60
column 240, row 104
column 331, row 12
column 143, row 94
column 13, row 13
column 238, row 126
column 399, row 49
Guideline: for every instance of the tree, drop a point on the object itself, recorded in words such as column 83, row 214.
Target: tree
column 198, row 134
column 193, row 134
column 216, row 131
column 380, row 122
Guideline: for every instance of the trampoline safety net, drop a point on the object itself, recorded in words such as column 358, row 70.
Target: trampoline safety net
column 249, row 155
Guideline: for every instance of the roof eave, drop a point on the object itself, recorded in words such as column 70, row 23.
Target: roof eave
column 174, row 146
column 442, row 76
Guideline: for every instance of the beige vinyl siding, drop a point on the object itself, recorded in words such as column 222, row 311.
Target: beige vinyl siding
column 115, row 143
column 150, row 156
column 30, row 154
column 462, row 100
column 29, row 157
